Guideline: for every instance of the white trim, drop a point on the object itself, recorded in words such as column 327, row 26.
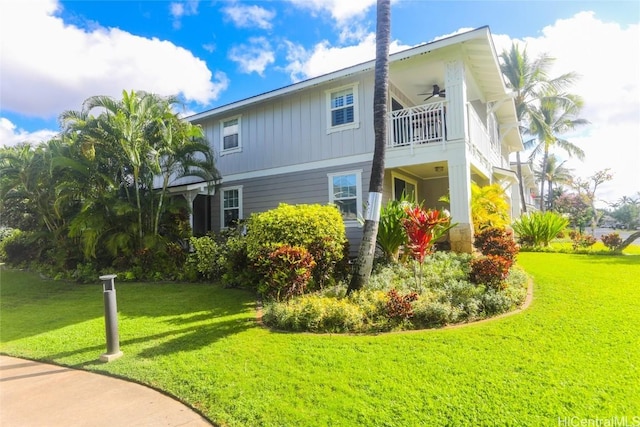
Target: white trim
column 356, row 108
column 240, row 212
column 405, row 178
column 300, row 167
column 237, row 149
column 358, row 174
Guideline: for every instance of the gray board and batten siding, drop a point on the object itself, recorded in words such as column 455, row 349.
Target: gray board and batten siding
column 303, row 187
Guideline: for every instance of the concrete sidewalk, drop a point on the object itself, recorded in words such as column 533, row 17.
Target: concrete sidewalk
column 38, row 394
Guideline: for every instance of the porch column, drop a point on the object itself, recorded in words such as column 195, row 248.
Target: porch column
column 456, row 117
column 460, row 236
column 191, row 196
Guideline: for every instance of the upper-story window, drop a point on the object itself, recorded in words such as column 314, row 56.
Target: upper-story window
column 345, row 191
column 230, row 135
column 342, row 108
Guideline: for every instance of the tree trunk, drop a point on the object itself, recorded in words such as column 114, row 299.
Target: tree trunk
column 523, row 201
column 629, row 241
column 364, row 263
column 544, row 168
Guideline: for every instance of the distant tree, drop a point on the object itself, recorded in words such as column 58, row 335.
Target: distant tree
column 576, row 208
column 555, row 173
column 588, row 187
column 555, row 115
column 529, row 80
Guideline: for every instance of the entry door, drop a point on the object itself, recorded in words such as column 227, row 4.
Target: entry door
column 403, row 186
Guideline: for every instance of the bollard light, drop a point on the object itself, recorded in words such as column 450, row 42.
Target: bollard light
column 110, row 318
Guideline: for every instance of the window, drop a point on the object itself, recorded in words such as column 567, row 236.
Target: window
column 404, row 186
column 345, row 192
column 230, row 135
column 342, row 109
column 231, row 206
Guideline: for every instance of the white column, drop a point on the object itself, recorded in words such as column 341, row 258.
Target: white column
column 460, row 236
column 456, row 117
column 191, row 196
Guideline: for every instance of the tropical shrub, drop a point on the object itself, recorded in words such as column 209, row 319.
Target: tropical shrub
column 611, row 240
column 398, row 307
column 21, row 248
column 581, row 240
column 423, row 229
column 207, row 257
column 538, row 228
column 391, row 234
column 490, row 270
column 286, row 272
column 318, row 229
column 489, row 207
column 496, row 241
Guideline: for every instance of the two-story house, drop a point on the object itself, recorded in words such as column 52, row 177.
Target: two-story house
column 451, row 121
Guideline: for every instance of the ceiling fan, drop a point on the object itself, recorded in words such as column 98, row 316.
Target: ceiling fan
column 436, row 93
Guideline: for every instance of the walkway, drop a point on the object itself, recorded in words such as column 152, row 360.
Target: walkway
column 38, row 394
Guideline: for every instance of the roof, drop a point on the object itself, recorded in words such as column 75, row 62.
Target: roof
column 477, row 46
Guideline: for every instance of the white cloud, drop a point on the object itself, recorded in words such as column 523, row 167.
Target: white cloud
column 340, row 10
column 607, row 56
column 182, row 8
column 10, row 135
column 43, row 76
column 250, row 16
column 324, row 58
column 253, row 57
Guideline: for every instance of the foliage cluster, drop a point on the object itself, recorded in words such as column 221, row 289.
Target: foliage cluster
column 396, row 299
column 286, row 272
column 611, row 240
column 539, row 228
column 581, row 240
column 97, row 194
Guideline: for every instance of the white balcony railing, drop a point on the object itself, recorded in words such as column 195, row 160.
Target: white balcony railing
column 482, row 142
column 416, row 125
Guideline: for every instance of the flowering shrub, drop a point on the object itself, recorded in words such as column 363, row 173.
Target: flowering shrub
column 490, row 270
column 611, row 241
column 287, row 271
column 398, row 306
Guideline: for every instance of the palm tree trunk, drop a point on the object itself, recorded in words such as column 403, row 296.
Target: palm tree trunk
column 544, row 168
column 364, row 263
column 523, row 202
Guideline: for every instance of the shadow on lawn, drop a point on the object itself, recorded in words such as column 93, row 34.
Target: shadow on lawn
column 610, row 259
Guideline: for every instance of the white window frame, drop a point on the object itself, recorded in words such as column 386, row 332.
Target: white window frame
column 356, row 108
column 237, row 149
column 405, row 178
column 222, row 208
column 358, row 174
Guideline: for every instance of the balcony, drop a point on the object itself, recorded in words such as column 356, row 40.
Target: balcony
column 421, row 124
column 425, row 124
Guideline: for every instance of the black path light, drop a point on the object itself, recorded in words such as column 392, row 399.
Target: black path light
column 110, row 318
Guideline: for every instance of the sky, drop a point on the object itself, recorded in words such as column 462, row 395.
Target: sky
column 54, row 54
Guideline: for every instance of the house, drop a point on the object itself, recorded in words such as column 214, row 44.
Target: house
column 531, row 198
column 451, row 121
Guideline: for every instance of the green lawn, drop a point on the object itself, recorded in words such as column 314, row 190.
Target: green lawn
column 575, row 352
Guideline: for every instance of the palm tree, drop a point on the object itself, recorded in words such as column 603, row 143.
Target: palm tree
column 364, row 263
column 555, row 115
column 122, row 156
column 555, row 172
column 528, row 79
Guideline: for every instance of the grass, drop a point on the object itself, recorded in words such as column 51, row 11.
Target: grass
column 574, row 353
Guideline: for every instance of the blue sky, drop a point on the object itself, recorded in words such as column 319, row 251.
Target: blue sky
column 54, row 54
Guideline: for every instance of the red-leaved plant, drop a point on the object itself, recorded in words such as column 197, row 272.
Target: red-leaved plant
column 424, row 228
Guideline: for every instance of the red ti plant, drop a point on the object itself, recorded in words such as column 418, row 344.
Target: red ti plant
column 424, row 228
